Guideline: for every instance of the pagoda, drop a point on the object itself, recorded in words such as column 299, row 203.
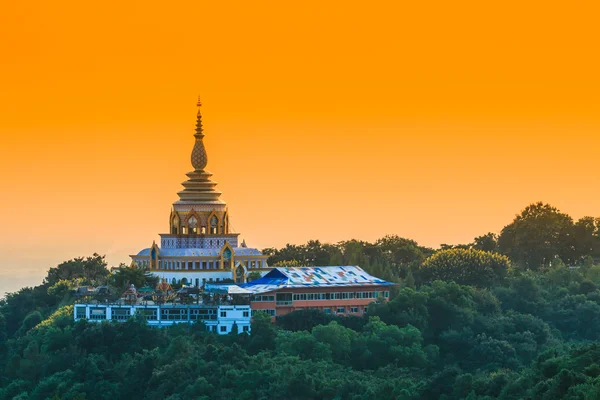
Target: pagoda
column 200, row 245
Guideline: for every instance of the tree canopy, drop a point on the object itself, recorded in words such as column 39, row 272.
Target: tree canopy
column 465, row 266
column 513, row 316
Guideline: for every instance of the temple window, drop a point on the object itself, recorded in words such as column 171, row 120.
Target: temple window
column 193, row 225
column 214, row 222
column 175, row 225
column 227, row 258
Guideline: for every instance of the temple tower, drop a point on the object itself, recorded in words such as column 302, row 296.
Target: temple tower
column 200, row 237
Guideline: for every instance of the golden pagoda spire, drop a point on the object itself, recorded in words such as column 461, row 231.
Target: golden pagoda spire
column 199, row 119
column 199, row 156
column 199, row 189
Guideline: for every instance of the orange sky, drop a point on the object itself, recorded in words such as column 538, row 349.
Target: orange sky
column 437, row 121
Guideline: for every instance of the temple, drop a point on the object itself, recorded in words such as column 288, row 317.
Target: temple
column 201, row 253
column 200, row 245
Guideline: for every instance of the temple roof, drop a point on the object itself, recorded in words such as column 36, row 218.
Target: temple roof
column 199, row 188
column 190, row 252
column 282, row 278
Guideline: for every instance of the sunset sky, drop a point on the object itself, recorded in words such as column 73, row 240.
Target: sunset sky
column 436, row 121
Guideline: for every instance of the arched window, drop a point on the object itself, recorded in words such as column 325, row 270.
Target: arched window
column 175, row 225
column 239, row 275
column 227, row 258
column 214, row 222
column 193, row 225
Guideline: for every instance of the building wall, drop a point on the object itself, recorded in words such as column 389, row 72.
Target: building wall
column 218, row 319
column 171, row 241
column 191, row 276
column 355, row 306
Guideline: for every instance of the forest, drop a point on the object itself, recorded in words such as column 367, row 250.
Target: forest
column 511, row 315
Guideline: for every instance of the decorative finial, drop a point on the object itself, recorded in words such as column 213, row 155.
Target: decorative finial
column 199, row 102
column 199, row 157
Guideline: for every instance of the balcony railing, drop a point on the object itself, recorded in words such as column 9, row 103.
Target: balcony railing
column 284, row 302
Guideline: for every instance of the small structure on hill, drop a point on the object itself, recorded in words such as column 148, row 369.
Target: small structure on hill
column 130, row 295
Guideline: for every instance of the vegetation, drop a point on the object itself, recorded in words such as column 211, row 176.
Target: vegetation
column 508, row 316
column 465, row 266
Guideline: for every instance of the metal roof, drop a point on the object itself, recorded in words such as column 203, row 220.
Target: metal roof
column 335, row 276
column 225, row 289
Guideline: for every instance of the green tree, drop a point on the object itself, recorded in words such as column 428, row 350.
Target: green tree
column 263, row 333
column 585, row 238
column 125, row 276
column 338, row 338
column 409, row 307
column 252, row 276
column 2, row 328
column 487, row 242
column 467, row 267
column 303, row 320
column 92, row 268
column 303, row 345
column 30, row 321
column 537, row 236
column 380, row 344
column 403, row 254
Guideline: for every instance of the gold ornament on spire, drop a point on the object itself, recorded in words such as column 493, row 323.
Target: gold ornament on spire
column 199, row 157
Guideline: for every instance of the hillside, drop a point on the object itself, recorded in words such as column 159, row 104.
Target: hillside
column 508, row 316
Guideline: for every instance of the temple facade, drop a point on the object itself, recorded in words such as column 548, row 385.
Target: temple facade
column 200, row 245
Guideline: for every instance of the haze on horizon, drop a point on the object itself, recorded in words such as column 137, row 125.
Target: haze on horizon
column 323, row 121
